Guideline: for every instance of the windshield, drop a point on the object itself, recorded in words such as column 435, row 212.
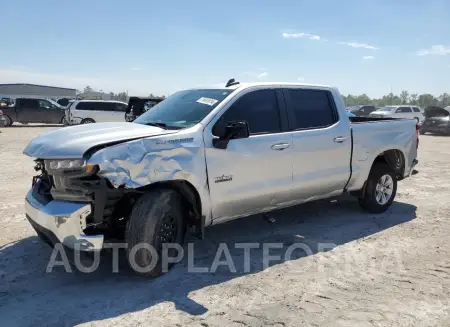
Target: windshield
column 387, row 109
column 184, row 109
column 56, row 104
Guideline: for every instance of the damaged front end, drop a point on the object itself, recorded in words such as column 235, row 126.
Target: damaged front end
column 69, row 203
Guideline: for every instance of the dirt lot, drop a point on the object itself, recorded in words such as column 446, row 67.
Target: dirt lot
column 385, row 270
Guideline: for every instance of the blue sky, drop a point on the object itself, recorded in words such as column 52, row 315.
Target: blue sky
column 162, row 46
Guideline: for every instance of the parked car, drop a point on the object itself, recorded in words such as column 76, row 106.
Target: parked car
column 350, row 114
column 437, row 120
column 2, row 119
column 138, row 105
column 31, row 110
column 362, row 111
column 411, row 112
column 95, row 111
column 64, row 102
column 205, row 156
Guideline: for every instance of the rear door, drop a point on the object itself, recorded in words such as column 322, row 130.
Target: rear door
column 27, row 111
column 322, row 144
column 417, row 113
column 99, row 111
column 118, row 111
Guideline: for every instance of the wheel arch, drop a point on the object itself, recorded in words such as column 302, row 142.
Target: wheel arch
column 192, row 199
column 395, row 158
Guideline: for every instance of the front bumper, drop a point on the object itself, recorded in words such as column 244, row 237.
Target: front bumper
column 62, row 222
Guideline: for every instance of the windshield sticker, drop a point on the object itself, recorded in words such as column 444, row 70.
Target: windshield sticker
column 208, row 101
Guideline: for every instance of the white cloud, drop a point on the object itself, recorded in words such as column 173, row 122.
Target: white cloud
column 301, row 35
column 262, row 75
column 300, row 79
column 438, row 49
column 359, row 45
column 368, row 57
column 135, row 69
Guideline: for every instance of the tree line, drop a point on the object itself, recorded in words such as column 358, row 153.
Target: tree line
column 391, row 99
column 421, row 100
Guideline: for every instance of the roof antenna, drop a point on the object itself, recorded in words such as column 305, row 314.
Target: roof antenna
column 231, row 82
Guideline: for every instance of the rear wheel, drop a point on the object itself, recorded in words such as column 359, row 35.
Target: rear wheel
column 156, row 219
column 87, row 121
column 7, row 122
column 380, row 190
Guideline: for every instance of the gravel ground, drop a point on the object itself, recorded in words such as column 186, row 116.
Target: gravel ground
column 391, row 269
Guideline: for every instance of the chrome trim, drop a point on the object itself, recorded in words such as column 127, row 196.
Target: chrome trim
column 66, row 220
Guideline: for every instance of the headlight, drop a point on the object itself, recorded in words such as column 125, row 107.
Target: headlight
column 65, row 164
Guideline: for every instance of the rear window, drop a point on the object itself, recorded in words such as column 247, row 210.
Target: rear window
column 416, row 109
column 388, row 109
column 97, row 106
column 312, row 108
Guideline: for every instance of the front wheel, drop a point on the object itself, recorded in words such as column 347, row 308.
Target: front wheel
column 381, row 188
column 156, row 219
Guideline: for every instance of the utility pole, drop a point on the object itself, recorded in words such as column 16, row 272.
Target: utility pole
column 391, row 95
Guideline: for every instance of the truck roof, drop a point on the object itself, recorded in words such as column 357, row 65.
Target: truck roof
column 247, row 85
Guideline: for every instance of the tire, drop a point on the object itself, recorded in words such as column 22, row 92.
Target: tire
column 7, row 122
column 87, row 121
column 148, row 220
column 369, row 201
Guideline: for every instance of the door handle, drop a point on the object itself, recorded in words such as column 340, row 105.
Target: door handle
column 339, row 139
column 280, row 146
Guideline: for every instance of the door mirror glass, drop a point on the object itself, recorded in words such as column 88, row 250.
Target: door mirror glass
column 236, row 130
column 232, row 130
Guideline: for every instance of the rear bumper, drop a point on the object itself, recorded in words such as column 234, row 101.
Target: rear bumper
column 62, row 222
column 434, row 129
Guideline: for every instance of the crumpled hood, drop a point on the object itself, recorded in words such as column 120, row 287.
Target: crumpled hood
column 72, row 142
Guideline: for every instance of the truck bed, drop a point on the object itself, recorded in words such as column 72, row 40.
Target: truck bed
column 373, row 136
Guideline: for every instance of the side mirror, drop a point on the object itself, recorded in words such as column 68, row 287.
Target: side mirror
column 233, row 130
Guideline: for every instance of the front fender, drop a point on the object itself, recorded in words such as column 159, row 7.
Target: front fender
column 142, row 162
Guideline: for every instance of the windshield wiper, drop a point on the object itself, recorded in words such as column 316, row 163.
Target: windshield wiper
column 157, row 124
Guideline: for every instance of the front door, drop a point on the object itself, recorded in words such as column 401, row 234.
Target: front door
column 252, row 174
column 322, row 144
column 49, row 113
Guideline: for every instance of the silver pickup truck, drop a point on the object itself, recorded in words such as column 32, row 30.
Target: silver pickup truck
column 206, row 156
